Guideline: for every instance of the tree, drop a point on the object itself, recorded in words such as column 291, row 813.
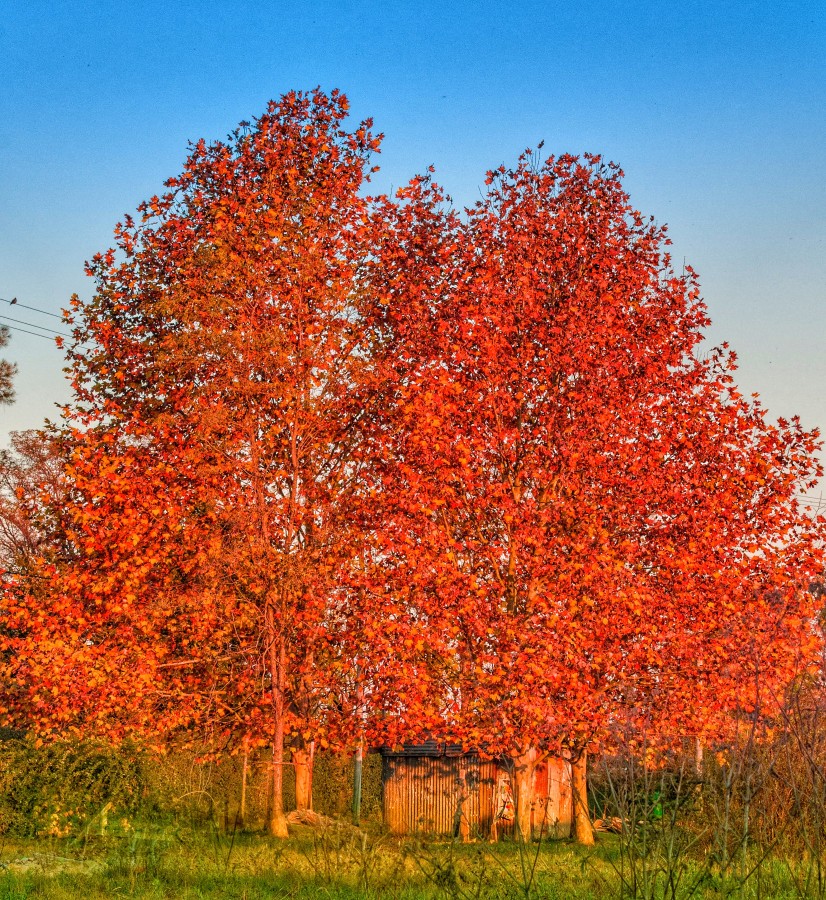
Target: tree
column 31, row 489
column 582, row 516
column 7, row 371
column 209, row 442
column 370, row 470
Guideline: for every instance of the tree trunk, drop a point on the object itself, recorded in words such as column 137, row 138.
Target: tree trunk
column 278, row 653
column 698, row 757
column 582, row 830
column 278, row 821
column 303, row 765
column 461, row 826
column 524, row 766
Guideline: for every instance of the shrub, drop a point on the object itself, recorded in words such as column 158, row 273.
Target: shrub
column 58, row 788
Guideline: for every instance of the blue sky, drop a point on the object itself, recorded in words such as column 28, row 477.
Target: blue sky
column 715, row 111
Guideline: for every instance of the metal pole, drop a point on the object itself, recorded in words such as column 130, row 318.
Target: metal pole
column 357, row 766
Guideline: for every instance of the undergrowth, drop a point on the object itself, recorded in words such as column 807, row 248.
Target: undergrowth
column 339, row 861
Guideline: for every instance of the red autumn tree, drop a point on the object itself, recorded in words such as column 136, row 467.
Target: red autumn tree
column 580, row 516
column 209, row 444
column 31, row 489
column 7, row 371
column 376, row 469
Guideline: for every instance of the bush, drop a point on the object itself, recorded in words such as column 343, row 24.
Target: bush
column 62, row 788
column 333, row 785
column 59, row 788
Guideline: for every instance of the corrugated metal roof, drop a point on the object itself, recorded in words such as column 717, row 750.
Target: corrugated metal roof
column 426, row 749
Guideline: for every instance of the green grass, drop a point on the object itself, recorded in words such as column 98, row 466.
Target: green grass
column 340, row 862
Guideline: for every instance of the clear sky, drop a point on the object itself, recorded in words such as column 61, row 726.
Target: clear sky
column 716, row 111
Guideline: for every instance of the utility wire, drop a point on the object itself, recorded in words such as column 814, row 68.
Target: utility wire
column 32, row 325
column 26, row 331
column 15, row 302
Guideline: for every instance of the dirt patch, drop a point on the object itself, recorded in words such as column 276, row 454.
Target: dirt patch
column 49, row 864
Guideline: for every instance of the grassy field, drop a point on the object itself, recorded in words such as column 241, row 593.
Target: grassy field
column 341, row 862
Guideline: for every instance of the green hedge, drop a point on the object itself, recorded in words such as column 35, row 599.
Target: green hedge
column 60, row 788
column 333, row 785
column 67, row 787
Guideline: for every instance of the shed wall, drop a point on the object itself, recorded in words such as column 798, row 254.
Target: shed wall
column 421, row 794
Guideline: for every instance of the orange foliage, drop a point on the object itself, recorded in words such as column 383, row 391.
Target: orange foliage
column 337, row 465
column 577, row 514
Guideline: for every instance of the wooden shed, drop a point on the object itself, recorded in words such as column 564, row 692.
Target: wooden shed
column 439, row 789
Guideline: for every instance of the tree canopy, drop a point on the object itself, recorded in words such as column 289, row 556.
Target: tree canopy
column 341, row 468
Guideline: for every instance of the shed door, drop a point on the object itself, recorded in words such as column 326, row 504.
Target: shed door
column 423, row 794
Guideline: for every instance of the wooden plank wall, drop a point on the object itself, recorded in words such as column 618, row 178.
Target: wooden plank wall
column 421, row 795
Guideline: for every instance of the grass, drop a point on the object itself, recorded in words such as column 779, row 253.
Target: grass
column 341, row 863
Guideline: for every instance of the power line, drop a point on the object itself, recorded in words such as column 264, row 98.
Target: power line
column 26, row 331
column 32, row 325
column 15, row 302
